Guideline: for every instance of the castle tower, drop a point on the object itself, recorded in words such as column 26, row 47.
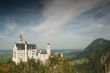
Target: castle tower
column 25, row 51
column 15, row 55
column 48, row 49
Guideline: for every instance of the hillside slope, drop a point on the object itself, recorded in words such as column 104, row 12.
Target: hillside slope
column 96, row 45
column 98, row 55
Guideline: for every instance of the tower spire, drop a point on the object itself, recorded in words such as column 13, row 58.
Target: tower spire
column 20, row 39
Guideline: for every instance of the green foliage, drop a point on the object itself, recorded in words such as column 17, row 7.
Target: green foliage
column 56, row 65
column 98, row 56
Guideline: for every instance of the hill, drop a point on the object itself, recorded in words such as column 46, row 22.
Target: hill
column 98, row 56
column 96, row 45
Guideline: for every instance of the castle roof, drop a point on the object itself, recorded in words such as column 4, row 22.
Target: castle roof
column 21, row 46
column 43, row 51
column 31, row 46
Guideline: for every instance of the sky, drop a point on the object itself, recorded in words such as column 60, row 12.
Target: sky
column 65, row 24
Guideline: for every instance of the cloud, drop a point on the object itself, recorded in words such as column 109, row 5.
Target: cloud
column 58, row 13
column 11, row 26
column 64, row 23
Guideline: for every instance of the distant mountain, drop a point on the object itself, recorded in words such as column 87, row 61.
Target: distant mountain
column 98, row 55
column 96, row 45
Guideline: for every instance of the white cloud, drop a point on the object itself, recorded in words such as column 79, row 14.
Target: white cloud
column 59, row 12
column 11, row 26
column 57, row 15
column 6, row 42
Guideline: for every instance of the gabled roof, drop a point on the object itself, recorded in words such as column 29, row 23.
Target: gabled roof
column 21, row 46
column 42, row 51
column 31, row 46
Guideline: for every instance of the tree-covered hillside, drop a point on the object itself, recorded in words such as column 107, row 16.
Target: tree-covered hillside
column 98, row 56
column 97, row 44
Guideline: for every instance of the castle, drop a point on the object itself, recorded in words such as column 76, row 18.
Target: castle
column 22, row 51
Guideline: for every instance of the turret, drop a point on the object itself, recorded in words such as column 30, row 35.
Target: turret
column 26, row 51
column 48, row 49
column 15, row 55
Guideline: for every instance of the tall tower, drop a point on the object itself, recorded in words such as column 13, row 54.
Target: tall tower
column 48, row 49
column 15, row 55
column 25, row 52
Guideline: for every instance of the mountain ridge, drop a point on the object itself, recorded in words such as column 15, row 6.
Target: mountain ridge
column 97, row 44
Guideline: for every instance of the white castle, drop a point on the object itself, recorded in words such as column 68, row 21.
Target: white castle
column 22, row 51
